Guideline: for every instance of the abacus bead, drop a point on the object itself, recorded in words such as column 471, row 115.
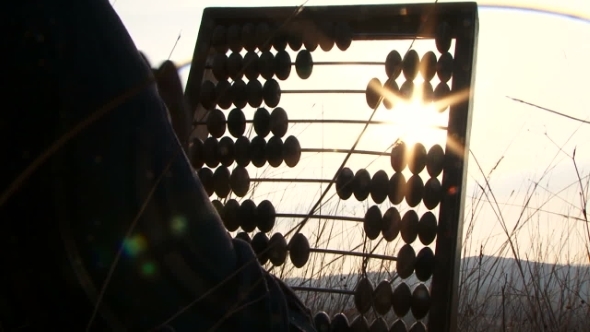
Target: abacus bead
column 427, row 228
column 379, row 186
column 299, row 250
column 239, row 93
column 444, row 67
column 382, row 297
column 326, row 36
column 310, row 37
column 406, row 259
column 428, row 66
column 340, row 323
column 262, row 122
column 424, row 264
column 219, row 39
column 361, row 184
column 406, row 91
column 223, row 94
column 397, row 188
column 266, row 216
column 279, row 122
column 443, row 37
column 266, row 65
column 363, row 295
column 280, row 40
column 304, row 64
column 226, row 151
column 391, row 93
column 234, row 38
column 263, row 34
column 344, row 183
column 242, row 151
column 295, row 38
column 359, row 324
column 402, row 297
column 257, row 151
column 399, row 157
column 278, row 249
column 420, row 301
column 379, row 325
column 435, row 160
column 391, row 224
column 244, row 237
column 393, row 64
column 372, row 222
column 411, row 63
column 249, row 36
column 373, row 93
column 207, row 95
column 216, row 123
column 260, row 246
column 240, row 181
column 247, row 215
column 254, row 88
column 236, row 122
column 235, row 66
column 219, row 67
column 206, row 178
column 274, row 151
column 271, row 93
column 221, row 181
column 343, row 35
column 322, row 321
column 398, row 326
column 409, row 226
column 230, row 215
column 417, row 161
column 210, row 152
column 291, row 151
column 251, row 60
column 414, row 190
column 282, row 65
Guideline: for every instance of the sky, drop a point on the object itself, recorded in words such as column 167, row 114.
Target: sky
column 532, row 56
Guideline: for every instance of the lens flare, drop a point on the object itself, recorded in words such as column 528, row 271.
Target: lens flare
column 134, row 245
column 148, row 269
column 178, row 225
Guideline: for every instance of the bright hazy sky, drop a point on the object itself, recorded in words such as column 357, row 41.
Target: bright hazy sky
column 539, row 58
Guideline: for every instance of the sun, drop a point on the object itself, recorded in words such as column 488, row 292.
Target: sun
column 413, row 121
column 418, row 122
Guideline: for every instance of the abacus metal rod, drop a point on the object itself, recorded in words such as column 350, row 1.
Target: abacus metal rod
column 289, row 180
column 334, row 121
column 337, row 121
column 322, row 290
column 337, row 63
column 341, row 91
column 301, row 180
column 352, row 253
column 365, row 152
column 319, row 216
column 387, row 36
column 347, row 63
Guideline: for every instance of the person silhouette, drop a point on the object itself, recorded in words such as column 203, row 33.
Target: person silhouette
column 104, row 224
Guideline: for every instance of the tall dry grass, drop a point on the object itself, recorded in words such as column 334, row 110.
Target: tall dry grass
column 508, row 288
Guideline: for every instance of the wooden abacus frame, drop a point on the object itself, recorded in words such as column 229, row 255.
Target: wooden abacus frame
column 390, row 22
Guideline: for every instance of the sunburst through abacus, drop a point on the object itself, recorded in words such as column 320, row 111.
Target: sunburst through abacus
column 242, row 127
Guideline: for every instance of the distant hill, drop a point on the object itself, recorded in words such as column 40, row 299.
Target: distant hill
column 482, row 279
column 492, row 272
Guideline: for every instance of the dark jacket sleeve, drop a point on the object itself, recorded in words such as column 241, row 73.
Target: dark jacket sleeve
column 112, row 219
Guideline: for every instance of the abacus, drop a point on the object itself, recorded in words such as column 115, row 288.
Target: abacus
column 238, row 88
